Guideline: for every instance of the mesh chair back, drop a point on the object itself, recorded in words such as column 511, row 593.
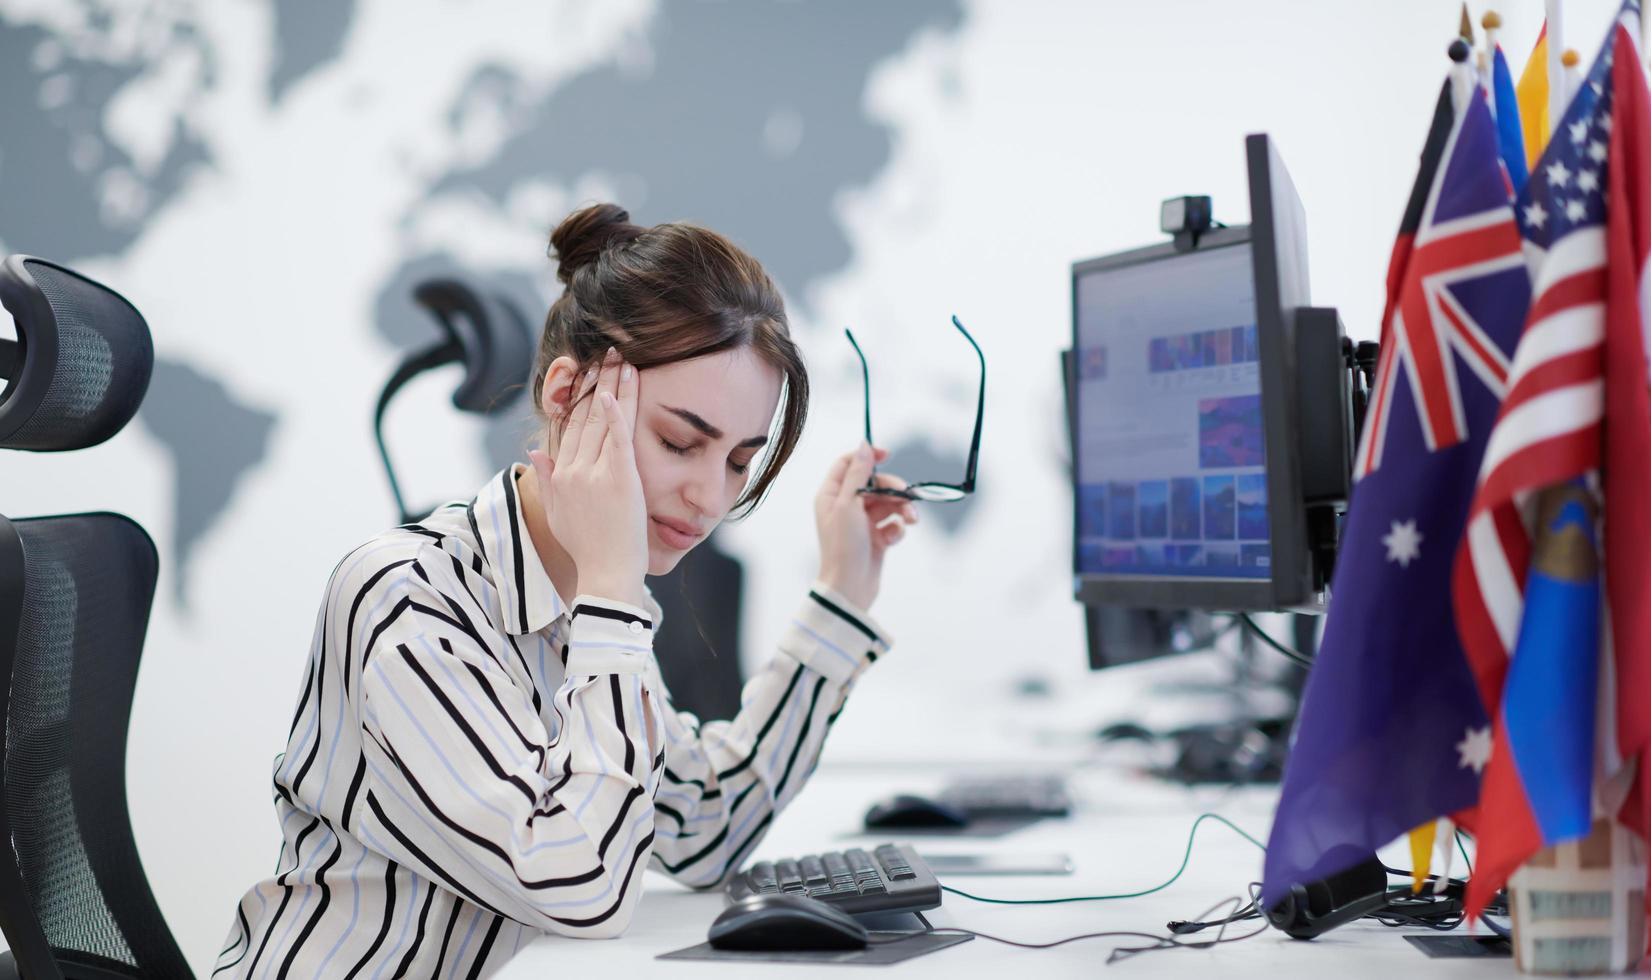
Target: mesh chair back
column 81, row 363
column 75, row 593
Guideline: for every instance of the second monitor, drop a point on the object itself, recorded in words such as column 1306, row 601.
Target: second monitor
column 1210, row 430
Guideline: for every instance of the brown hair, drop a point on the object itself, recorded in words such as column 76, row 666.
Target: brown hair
column 669, row 293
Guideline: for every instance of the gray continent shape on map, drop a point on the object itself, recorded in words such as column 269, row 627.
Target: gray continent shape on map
column 308, row 34
column 49, row 206
column 214, row 441
column 688, row 134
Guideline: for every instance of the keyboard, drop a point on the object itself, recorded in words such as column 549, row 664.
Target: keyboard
column 891, row 878
column 1009, row 796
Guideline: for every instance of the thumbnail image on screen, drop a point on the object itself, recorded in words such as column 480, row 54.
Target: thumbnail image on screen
column 1171, row 448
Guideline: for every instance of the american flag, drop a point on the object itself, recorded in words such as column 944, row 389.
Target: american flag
column 1551, row 428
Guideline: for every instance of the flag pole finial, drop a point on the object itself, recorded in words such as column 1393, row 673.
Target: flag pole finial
column 1491, row 21
column 1458, row 51
column 1570, row 59
column 1467, row 24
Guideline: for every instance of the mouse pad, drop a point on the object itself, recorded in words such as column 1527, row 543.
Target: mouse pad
column 1451, row 947
column 913, row 945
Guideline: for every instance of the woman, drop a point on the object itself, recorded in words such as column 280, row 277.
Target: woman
column 484, row 748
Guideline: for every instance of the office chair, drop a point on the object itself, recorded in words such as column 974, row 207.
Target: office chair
column 75, row 594
column 485, row 333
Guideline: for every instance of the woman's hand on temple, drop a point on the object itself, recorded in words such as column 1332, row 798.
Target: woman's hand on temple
column 857, row 529
column 591, row 492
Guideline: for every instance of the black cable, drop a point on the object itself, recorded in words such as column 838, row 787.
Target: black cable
column 1288, row 653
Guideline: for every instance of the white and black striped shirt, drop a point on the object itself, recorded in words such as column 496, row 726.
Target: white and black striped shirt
column 468, row 764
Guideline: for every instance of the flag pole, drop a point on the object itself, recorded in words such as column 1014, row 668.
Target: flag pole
column 1461, row 73
column 1558, row 96
column 1573, row 75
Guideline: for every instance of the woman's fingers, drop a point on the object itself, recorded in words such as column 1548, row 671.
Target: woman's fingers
column 629, row 394
column 573, row 426
column 857, row 473
column 619, row 433
column 543, row 468
column 880, row 507
column 596, row 425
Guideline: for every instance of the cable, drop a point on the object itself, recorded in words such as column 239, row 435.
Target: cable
column 1288, row 653
column 1171, row 941
column 1185, row 859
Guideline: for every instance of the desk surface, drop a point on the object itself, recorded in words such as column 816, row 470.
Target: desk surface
column 1129, row 833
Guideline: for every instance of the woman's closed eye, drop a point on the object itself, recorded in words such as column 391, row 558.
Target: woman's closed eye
column 684, row 450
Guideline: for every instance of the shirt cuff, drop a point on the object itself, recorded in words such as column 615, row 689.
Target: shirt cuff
column 833, row 637
column 608, row 637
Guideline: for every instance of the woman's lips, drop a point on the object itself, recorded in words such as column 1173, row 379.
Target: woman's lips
column 678, row 536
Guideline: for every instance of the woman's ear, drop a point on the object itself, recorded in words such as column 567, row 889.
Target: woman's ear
column 558, row 390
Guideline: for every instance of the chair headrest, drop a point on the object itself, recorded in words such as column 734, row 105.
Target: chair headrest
column 80, row 365
column 493, row 339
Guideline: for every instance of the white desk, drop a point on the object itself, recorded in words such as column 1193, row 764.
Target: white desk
column 1129, row 833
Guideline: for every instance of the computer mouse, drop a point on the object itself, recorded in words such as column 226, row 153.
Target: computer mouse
column 906, row 810
column 785, row 921
column 1123, row 730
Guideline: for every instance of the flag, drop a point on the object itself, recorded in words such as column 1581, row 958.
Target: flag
column 1526, row 582
column 1533, row 99
column 1627, row 480
column 1510, row 138
column 1386, row 737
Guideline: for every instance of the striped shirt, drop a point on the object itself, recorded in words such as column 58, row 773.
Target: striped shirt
column 469, row 762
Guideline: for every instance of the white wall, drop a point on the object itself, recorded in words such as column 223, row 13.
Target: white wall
column 1037, row 134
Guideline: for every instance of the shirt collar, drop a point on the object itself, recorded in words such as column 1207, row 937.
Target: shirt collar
column 528, row 597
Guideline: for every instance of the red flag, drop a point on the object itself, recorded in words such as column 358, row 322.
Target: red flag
column 1627, row 464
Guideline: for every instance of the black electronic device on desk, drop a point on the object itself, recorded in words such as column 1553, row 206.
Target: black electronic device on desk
column 889, row 878
column 974, row 806
column 787, row 920
column 1008, row 796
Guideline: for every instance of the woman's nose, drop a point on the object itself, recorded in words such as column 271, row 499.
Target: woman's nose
column 699, row 491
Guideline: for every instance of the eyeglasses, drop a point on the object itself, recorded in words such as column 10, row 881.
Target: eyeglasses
column 931, row 491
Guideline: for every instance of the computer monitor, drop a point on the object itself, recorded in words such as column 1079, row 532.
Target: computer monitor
column 1186, row 436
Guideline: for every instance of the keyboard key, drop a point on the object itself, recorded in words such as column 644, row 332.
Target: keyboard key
column 859, row 860
column 835, row 864
column 790, row 876
column 813, row 870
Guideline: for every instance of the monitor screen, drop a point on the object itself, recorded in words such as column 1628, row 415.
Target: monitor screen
column 1169, row 435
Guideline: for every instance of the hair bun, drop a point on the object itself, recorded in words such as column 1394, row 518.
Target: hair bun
column 583, row 235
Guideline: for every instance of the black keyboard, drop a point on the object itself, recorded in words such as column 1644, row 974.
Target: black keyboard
column 891, row 878
column 1009, row 796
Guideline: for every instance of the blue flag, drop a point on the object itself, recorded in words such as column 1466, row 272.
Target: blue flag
column 1392, row 733
column 1510, row 137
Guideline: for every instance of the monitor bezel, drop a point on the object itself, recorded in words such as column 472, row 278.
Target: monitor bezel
column 1286, row 523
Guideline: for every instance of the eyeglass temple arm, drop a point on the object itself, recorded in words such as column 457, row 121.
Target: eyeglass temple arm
column 865, row 378
column 980, row 408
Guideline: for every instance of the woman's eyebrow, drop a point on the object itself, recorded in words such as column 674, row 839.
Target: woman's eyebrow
column 710, row 430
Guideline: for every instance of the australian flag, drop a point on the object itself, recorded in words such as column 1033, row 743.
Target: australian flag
column 1392, row 733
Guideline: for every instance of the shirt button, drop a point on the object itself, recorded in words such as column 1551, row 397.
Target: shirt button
column 636, row 627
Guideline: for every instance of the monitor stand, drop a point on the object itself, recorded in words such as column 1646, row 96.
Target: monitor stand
column 1247, row 744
